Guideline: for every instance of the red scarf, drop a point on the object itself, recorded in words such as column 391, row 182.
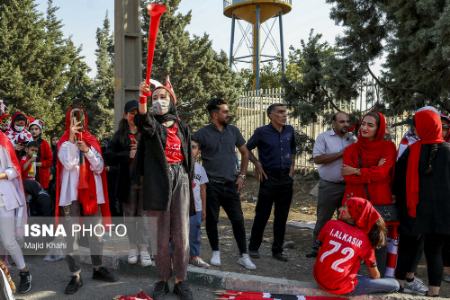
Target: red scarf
column 370, row 148
column 363, row 212
column 6, row 143
column 429, row 130
column 87, row 195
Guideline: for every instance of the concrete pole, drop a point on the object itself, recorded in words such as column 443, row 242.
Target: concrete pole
column 283, row 61
column 233, row 24
column 256, row 49
column 127, row 54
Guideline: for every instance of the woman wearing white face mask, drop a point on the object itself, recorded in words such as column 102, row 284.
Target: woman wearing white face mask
column 17, row 133
column 165, row 158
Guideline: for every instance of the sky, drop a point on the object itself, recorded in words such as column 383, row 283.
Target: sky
column 81, row 18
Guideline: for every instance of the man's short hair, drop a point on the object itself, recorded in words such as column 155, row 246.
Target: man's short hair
column 272, row 107
column 214, row 103
column 333, row 118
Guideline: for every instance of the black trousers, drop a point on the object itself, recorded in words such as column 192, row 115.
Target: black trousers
column 224, row 194
column 274, row 191
column 434, row 245
column 410, row 250
column 446, row 254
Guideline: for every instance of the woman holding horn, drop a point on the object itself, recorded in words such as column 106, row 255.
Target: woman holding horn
column 165, row 153
column 165, row 159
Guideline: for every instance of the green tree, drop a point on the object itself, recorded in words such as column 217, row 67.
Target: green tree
column 196, row 71
column 101, row 106
column 414, row 37
column 317, row 77
column 270, row 77
column 79, row 87
column 24, row 82
column 41, row 72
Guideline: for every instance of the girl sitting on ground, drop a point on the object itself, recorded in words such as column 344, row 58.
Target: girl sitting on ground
column 345, row 243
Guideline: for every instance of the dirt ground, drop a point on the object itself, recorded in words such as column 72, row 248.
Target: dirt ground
column 299, row 267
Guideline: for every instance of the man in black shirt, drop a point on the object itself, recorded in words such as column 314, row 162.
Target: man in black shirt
column 218, row 141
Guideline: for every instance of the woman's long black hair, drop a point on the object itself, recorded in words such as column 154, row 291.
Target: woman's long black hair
column 123, row 130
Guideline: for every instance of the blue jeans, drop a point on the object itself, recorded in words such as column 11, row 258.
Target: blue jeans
column 367, row 285
column 195, row 233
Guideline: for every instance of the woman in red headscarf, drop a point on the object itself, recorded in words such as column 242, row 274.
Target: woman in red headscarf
column 368, row 168
column 345, row 243
column 368, row 164
column 428, row 192
column 81, row 189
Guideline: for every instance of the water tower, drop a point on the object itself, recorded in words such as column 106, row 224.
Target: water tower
column 255, row 13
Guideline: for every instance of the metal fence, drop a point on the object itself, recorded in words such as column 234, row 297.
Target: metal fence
column 251, row 114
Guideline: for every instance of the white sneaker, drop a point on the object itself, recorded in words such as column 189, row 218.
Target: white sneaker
column 246, row 262
column 215, row 258
column 198, row 262
column 146, row 260
column 416, row 287
column 132, row 256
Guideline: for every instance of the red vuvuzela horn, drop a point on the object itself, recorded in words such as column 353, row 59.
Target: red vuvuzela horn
column 155, row 11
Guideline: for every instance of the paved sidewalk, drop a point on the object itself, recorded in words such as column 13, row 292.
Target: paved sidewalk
column 50, row 279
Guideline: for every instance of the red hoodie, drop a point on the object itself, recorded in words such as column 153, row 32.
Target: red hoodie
column 377, row 178
column 46, row 160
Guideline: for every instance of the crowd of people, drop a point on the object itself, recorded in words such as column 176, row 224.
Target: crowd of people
column 168, row 181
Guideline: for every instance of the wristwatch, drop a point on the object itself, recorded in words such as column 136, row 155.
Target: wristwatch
column 243, row 176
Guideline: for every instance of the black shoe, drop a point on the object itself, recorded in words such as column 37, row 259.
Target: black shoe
column 183, row 290
column 254, row 253
column 75, row 283
column 25, row 282
column 160, row 289
column 104, row 274
column 280, row 257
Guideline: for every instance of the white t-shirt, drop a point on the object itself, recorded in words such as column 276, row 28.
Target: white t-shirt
column 200, row 178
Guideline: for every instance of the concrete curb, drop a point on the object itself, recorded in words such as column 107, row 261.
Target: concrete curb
column 222, row 280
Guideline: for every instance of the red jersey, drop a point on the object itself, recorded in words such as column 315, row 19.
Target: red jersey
column 173, row 146
column 339, row 259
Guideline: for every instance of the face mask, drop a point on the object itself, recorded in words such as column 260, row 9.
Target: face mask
column 19, row 128
column 160, row 107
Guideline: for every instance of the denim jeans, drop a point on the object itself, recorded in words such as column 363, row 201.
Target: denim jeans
column 195, row 233
column 368, row 286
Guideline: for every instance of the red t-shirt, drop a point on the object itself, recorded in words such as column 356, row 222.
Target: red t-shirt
column 30, row 172
column 173, row 146
column 339, row 259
